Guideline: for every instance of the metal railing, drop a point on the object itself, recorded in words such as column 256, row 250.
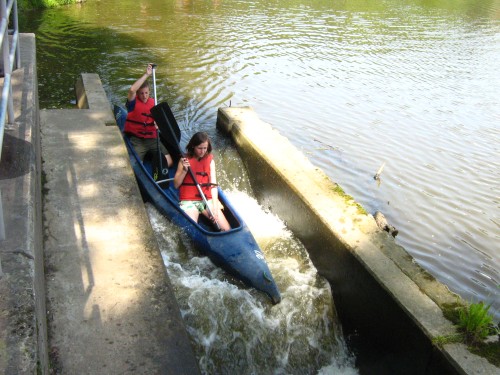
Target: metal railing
column 11, row 58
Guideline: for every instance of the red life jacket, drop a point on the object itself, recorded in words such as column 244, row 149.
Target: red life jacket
column 201, row 169
column 139, row 125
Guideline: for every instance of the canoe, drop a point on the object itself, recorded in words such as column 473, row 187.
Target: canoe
column 236, row 250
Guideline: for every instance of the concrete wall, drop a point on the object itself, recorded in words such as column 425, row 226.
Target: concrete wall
column 388, row 306
column 23, row 333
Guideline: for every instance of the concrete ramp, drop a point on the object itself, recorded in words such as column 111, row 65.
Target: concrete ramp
column 111, row 309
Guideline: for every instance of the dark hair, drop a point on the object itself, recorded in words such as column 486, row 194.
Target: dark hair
column 196, row 140
column 145, row 84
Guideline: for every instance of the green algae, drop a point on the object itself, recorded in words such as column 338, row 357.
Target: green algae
column 348, row 199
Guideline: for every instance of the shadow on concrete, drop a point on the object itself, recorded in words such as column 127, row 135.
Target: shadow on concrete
column 16, row 159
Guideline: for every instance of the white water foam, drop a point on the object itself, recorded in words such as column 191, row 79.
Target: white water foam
column 234, row 329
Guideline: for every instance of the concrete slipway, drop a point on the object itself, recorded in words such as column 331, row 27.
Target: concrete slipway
column 89, row 272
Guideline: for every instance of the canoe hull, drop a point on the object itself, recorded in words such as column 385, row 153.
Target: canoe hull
column 235, row 251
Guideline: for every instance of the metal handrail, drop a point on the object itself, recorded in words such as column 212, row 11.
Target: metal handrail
column 11, row 58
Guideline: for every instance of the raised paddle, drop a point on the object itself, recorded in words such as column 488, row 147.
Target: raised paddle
column 153, row 66
column 161, row 109
column 163, row 171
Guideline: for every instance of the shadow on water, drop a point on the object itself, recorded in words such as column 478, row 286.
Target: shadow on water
column 65, row 49
column 69, row 42
column 68, row 46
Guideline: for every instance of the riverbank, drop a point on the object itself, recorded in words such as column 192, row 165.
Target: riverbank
column 41, row 4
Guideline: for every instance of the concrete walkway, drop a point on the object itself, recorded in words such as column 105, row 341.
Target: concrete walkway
column 110, row 306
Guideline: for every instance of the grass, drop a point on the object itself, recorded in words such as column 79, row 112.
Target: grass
column 474, row 324
column 440, row 341
column 350, row 200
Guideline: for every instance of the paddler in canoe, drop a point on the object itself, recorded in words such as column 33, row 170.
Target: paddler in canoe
column 200, row 159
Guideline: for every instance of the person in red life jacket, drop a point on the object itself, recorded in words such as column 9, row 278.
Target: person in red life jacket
column 140, row 126
column 201, row 161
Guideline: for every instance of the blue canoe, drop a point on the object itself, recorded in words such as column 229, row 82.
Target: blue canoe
column 236, row 250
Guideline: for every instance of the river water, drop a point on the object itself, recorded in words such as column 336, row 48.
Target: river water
column 353, row 84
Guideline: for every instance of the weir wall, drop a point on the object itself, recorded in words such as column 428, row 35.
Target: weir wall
column 389, row 307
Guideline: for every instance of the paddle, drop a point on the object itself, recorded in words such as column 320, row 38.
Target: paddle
column 169, row 142
column 163, row 171
column 154, row 82
column 159, row 113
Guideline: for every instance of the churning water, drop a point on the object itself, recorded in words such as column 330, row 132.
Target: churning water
column 234, row 329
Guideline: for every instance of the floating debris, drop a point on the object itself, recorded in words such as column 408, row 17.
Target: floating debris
column 328, row 147
column 377, row 175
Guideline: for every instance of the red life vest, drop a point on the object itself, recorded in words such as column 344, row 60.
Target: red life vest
column 139, row 125
column 201, row 169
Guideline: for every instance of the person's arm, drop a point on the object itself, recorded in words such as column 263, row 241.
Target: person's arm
column 169, row 160
column 137, row 84
column 180, row 174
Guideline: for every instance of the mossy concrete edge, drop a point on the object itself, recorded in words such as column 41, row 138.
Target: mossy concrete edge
column 419, row 295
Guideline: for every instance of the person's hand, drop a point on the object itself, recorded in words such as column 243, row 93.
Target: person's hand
column 149, row 69
column 185, row 164
column 215, row 216
column 215, row 211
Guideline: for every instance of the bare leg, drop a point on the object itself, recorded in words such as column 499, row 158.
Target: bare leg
column 223, row 223
column 193, row 214
column 221, row 219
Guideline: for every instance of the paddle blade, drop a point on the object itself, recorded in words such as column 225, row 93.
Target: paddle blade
column 168, row 126
column 170, row 134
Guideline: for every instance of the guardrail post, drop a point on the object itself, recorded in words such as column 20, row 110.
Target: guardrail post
column 15, row 24
column 7, row 69
column 2, row 230
column 11, row 58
